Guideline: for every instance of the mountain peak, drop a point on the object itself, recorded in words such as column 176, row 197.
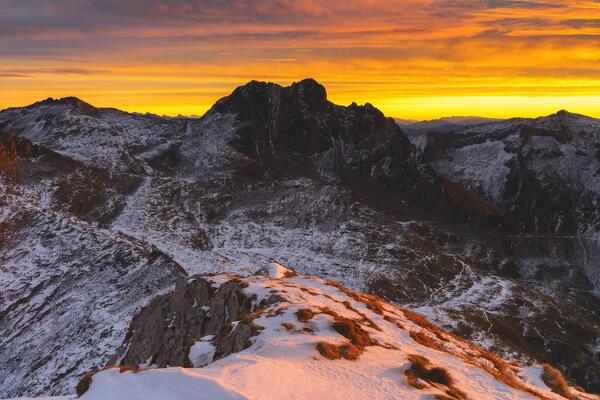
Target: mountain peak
column 564, row 114
column 308, row 92
column 311, row 92
column 72, row 102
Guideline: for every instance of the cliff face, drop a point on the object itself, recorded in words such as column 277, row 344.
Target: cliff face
column 294, row 131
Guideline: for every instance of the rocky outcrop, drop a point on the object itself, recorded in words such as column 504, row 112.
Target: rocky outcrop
column 163, row 332
column 294, row 131
column 302, row 325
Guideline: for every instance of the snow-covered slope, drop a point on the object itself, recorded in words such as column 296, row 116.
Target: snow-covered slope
column 545, row 174
column 270, row 174
column 560, row 149
column 68, row 292
column 124, row 142
column 315, row 339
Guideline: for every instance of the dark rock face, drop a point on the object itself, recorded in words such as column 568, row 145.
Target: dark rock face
column 164, row 330
column 14, row 149
column 294, row 131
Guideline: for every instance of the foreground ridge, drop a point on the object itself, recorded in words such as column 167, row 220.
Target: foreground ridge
column 286, row 336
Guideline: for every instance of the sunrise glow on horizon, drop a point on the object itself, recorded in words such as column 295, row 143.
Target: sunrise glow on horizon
column 412, row 59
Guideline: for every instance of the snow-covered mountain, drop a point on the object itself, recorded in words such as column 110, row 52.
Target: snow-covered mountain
column 545, row 174
column 102, row 211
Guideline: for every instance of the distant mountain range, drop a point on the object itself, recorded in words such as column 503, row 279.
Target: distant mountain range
column 445, row 124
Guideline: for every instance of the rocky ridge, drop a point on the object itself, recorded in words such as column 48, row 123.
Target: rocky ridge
column 242, row 330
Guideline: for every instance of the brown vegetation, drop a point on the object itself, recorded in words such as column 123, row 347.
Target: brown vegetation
column 353, row 332
column 84, row 383
column 555, row 381
column 304, row 314
column 421, row 320
column 373, row 303
column 335, row 352
column 249, row 318
column 423, row 339
column 277, row 311
column 327, row 296
column 328, row 311
column 349, row 306
column 420, row 370
column 289, row 274
column 308, row 290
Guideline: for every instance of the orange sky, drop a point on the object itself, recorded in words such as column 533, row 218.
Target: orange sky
column 412, row 59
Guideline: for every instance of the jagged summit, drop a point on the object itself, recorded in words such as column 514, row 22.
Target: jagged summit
column 564, row 113
column 50, row 101
column 307, row 93
column 312, row 93
column 73, row 103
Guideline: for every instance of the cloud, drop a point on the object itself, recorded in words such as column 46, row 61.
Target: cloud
column 32, row 71
column 520, row 4
column 582, row 22
column 149, row 45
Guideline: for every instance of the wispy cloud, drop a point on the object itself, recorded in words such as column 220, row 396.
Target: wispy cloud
column 582, row 23
column 428, row 47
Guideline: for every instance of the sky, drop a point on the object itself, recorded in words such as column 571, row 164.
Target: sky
column 412, row 59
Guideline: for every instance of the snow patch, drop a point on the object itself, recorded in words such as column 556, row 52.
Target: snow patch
column 201, row 353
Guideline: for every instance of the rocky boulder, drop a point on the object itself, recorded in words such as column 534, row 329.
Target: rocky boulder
column 164, row 331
